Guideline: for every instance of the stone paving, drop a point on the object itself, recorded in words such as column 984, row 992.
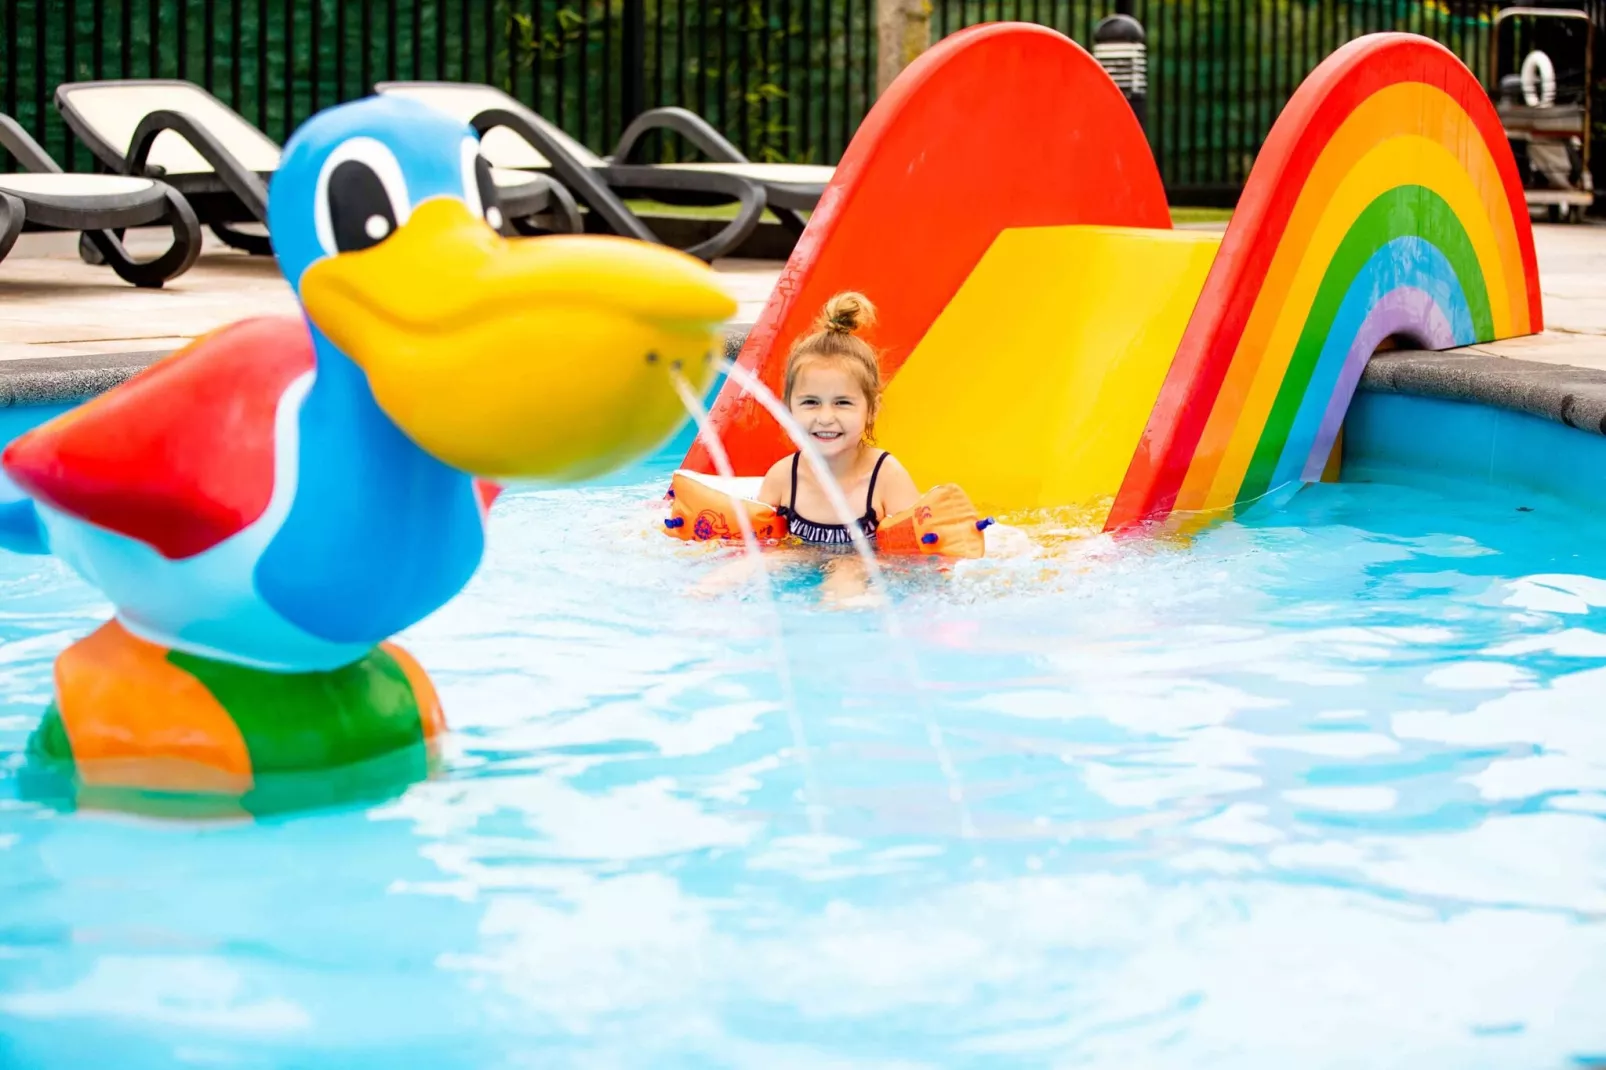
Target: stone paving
column 54, row 305
column 1572, row 281
column 51, row 304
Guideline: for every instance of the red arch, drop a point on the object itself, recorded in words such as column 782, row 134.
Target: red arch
column 1002, row 125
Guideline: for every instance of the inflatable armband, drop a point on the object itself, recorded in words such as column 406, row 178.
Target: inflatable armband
column 700, row 509
column 942, row 522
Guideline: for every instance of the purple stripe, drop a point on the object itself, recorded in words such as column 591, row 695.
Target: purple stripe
column 1405, row 311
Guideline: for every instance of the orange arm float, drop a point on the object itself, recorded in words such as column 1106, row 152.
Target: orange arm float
column 699, row 511
column 942, row 523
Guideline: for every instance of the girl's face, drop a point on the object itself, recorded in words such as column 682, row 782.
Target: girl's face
column 831, row 407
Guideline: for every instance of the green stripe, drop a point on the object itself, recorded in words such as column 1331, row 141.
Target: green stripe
column 315, row 720
column 50, row 742
column 1404, row 211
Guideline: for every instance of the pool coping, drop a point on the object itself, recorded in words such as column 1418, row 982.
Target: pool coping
column 1563, row 393
column 59, row 379
column 54, row 380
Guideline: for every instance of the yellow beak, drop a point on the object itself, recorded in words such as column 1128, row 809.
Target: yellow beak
column 543, row 358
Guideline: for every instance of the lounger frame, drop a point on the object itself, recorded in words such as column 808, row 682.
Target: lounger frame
column 785, row 200
column 100, row 218
column 226, row 195
column 605, row 189
column 230, row 193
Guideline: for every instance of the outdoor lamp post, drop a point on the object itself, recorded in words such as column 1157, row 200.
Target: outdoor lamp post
column 1120, row 46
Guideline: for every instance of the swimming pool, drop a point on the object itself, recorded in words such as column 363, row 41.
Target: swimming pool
column 1322, row 787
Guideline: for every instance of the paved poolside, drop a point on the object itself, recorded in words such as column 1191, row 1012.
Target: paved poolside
column 53, row 305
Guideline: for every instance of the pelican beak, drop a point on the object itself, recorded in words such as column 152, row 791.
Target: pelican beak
column 540, row 358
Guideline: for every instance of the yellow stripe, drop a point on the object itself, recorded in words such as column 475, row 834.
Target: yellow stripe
column 1033, row 386
column 1360, row 163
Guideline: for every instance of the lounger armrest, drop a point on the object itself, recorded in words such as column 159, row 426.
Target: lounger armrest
column 15, row 140
column 12, row 216
column 583, row 182
column 688, row 124
column 242, row 183
column 749, row 195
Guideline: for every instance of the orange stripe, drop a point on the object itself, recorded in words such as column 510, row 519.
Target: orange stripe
column 431, row 718
column 136, row 720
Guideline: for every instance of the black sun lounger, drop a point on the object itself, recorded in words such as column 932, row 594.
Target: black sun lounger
column 98, row 206
column 180, row 133
column 789, row 188
column 516, row 138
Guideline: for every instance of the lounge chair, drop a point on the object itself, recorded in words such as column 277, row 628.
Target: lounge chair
column 516, row 138
column 99, row 206
column 180, row 133
column 790, row 188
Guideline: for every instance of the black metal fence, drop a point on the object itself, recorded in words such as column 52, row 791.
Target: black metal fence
column 785, row 79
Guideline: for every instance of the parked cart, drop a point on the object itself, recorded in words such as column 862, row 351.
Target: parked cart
column 1542, row 97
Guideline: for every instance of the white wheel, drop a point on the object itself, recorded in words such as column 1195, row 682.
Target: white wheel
column 1538, row 80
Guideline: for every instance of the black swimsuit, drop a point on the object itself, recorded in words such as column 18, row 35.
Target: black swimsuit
column 829, row 534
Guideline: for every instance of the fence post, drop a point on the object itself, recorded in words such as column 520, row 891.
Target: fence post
column 633, row 56
column 903, row 31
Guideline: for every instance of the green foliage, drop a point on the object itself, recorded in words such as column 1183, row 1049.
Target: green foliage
column 529, row 42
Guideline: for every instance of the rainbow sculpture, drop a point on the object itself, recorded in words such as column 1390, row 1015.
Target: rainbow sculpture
column 1385, row 204
column 1070, row 349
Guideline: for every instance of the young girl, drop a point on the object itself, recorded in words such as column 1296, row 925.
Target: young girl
column 833, row 389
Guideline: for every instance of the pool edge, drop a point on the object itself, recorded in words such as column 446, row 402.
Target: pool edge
column 1562, row 393
column 58, row 379
column 52, row 380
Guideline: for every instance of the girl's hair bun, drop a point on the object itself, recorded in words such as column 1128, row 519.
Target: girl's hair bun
column 847, row 313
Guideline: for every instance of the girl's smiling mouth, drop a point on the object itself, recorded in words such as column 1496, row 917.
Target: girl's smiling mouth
column 827, row 435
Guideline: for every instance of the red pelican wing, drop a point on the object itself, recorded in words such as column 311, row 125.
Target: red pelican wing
column 181, row 456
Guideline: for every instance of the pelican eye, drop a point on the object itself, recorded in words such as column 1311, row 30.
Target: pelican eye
column 361, row 197
column 360, row 212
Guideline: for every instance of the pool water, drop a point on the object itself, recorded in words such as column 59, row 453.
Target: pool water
column 1324, row 786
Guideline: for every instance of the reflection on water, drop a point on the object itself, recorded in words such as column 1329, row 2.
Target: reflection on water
column 1322, row 787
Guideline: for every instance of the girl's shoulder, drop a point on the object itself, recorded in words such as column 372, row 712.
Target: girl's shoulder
column 892, row 468
column 776, row 480
column 890, row 463
column 895, row 488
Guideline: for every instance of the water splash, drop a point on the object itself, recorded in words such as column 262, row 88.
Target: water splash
column 839, row 504
column 812, row 804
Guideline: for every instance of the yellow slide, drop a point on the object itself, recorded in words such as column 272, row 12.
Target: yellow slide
column 1099, row 312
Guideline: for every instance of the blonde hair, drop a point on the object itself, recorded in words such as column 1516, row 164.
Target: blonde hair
column 836, row 338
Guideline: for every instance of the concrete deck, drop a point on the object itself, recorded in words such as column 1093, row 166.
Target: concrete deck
column 76, row 329
column 54, row 305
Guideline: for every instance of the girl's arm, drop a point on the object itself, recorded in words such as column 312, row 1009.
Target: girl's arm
column 895, row 488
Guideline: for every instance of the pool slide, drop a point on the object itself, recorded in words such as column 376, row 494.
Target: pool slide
column 1048, row 338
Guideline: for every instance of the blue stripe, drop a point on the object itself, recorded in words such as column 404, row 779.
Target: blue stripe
column 1406, row 261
